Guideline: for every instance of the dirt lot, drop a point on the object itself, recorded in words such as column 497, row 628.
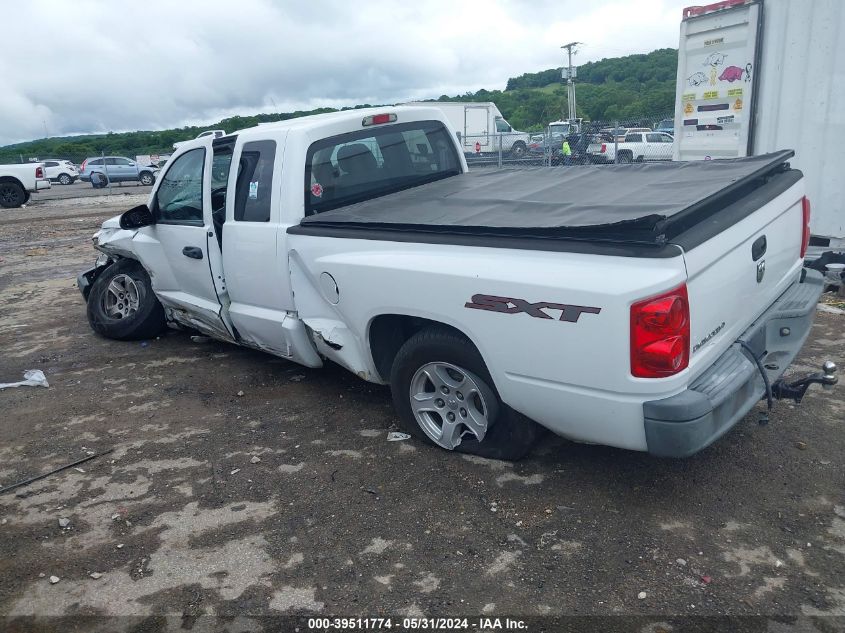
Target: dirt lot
column 240, row 484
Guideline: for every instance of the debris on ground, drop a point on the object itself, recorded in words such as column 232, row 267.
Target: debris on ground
column 95, row 575
column 240, row 394
column 681, row 562
column 642, row 595
column 201, row 339
column 255, row 459
column 26, row 482
column 706, row 580
column 31, row 378
column 395, row 436
column 801, row 446
column 235, row 472
column 54, row 580
column 63, row 522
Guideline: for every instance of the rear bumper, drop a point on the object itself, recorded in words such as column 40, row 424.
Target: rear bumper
column 685, row 423
column 44, row 183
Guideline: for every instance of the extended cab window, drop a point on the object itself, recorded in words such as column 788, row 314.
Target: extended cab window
column 255, row 179
column 376, row 161
column 179, row 197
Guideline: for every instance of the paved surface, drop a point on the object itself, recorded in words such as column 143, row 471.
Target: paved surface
column 289, row 499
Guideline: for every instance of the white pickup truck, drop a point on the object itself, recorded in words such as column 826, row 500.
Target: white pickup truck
column 18, row 182
column 589, row 301
column 636, row 147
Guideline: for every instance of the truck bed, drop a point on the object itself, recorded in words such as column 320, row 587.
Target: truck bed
column 624, row 204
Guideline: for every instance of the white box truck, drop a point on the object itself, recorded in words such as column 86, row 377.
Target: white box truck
column 481, row 128
column 759, row 75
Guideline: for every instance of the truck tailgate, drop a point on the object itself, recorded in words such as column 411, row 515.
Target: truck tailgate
column 740, row 262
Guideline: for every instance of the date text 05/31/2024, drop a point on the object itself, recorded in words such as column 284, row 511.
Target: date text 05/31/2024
column 415, row 624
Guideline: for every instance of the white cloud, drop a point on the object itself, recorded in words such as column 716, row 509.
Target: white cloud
column 98, row 66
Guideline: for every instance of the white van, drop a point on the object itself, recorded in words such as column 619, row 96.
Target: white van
column 481, row 128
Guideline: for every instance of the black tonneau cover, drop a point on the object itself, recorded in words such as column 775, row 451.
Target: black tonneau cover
column 620, row 203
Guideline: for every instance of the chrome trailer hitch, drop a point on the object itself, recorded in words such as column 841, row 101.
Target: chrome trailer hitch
column 796, row 389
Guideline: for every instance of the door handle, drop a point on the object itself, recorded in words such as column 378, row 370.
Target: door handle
column 194, row 252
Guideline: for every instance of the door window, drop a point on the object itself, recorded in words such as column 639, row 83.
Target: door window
column 179, row 196
column 634, row 138
column 254, row 187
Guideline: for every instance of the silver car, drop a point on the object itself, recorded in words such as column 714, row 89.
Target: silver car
column 100, row 170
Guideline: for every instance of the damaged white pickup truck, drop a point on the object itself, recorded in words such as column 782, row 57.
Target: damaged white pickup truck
column 647, row 307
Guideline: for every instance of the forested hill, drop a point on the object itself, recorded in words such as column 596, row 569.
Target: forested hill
column 628, row 89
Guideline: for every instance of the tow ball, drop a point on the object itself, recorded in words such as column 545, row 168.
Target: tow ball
column 797, row 388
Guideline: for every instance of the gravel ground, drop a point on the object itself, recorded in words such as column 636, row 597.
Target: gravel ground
column 243, row 485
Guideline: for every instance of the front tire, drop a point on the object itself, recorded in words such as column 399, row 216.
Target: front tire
column 122, row 305
column 12, row 195
column 518, row 150
column 444, row 396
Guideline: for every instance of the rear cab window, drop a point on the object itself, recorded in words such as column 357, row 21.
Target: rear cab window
column 376, row 161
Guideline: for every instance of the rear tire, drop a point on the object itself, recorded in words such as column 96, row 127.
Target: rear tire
column 65, row 179
column 472, row 398
column 625, row 158
column 122, row 305
column 146, row 178
column 12, row 195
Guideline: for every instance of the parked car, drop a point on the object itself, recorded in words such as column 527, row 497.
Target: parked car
column 212, row 133
column 489, row 301
column 62, row 171
column 635, row 147
column 99, row 171
column 667, row 126
column 17, row 182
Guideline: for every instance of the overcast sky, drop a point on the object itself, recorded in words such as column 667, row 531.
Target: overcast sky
column 98, row 65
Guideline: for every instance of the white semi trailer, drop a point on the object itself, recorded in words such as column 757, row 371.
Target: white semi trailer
column 759, row 75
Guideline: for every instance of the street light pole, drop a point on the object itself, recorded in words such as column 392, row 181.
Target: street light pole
column 570, row 82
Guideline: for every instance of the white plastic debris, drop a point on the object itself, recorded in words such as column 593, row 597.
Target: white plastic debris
column 95, row 575
column 31, row 378
column 54, row 580
column 642, row 595
column 395, row 436
column 64, row 522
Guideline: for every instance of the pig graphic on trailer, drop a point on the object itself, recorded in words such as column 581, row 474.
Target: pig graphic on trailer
column 735, row 73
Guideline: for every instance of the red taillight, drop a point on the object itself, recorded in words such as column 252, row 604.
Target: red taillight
column 82, row 166
column 805, row 234
column 603, row 148
column 660, row 334
column 39, row 172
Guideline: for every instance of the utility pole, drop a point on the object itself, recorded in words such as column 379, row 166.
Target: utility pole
column 569, row 75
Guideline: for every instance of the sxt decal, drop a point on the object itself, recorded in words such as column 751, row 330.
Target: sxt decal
column 510, row 305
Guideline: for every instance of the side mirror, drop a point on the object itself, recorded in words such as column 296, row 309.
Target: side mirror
column 137, row 217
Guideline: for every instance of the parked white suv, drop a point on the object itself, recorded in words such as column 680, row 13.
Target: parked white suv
column 62, row 171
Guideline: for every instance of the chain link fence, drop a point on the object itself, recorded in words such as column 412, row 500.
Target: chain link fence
column 635, row 140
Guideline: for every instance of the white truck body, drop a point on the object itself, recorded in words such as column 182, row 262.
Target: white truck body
column 550, row 322
column 482, row 128
column 774, row 66
column 17, row 182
